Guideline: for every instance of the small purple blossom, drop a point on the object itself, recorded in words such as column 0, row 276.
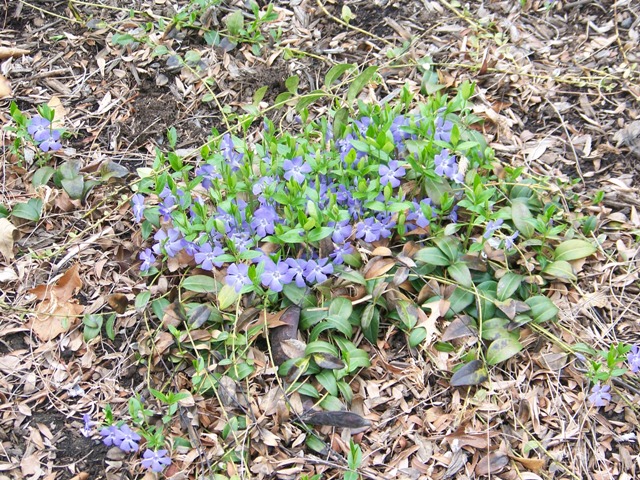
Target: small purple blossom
column 276, row 276
column 127, row 439
column 633, row 358
column 398, row 132
column 443, row 129
column 318, row 271
column 296, row 169
column 342, row 232
column 42, row 132
column 137, row 205
column 391, row 174
column 492, row 226
column 238, row 276
column 88, row 425
column 241, row 241
column 229, row 152
column 156, row 460
column 363, row 125
column 209, row 174
column 600, row 395
column 147, row 258
column 297, row 270
column 368, row 230
column 510, row 239
column 264, row 221
column 418, row 216
column 206, row 255
column 109, row 435
column 167, row 206
column 453, row 214
column 340, row 251
column 445, row 164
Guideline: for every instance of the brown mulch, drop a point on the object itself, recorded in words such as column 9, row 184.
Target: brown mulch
column 559, row 91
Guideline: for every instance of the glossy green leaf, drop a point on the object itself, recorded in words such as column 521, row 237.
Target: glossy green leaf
column 573, row 250
column 472, row 373
column 336, row 72
column 450, row 246
column 417, row 336
column 508, row 285
column 560, row 269
column 308, row 98
column 461, row 274
column 432, row 256
column 28, row 211
column 227, row 297
column 327, row 379
column 200, row 284
column 321, row 347
column 502, row 349
column 542, row 308
column 361, row 81
column 520, row 213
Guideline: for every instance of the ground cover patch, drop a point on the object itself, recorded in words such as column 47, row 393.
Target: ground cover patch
column 375, row 374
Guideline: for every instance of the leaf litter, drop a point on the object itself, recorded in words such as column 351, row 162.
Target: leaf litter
column 558, row 91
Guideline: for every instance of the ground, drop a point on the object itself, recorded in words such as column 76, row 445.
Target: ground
column 558, row 89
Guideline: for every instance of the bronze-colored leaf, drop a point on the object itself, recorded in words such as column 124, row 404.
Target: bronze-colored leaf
column 460, row 327
column 340, row 419
column 119, row 302
column 473, row 373
column 288, row 331
column 492, row 464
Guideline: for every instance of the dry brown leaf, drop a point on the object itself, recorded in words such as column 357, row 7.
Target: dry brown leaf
column 377, row 267
column 492, row 464
column 8, row 235
column 5, row 87
column 56, row 105
column 7, row 52
column 64, row 289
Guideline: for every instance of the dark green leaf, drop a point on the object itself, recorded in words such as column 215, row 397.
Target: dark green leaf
column 502, row 349
column 336, row 72
column 542, row 308
column 432, row 256
column 560, row 269
column 73, row 186
column 200, row 284
column 358, row 83
column 42, row 176
column 29, row 210
column 508, row 285
column 520, row 213
column 461, row 274
column 472, row 373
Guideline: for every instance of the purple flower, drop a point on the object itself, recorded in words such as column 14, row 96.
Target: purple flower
column 443, row 129
column 492, row 226
column 109, row 436
column 241, row 241
column 42, row 132
column 391, row 174
column 171, row 240
column 156, row 460
column 368, row 229
column 262, row 184
column 600, row 395
column 137, row 205
column 206, row 256
column 453, row 214
column 342, row 232
column 147, row 258
column 229, row 152
column 238, row 276
column 445, row 164
column 340, row 251
column 363, row 125
column 88, row 425
column 385, row 224
column 295, row 168
column 209, row 174
column 276, row 276
column 418, row 216
column 297, row 270
column 264, row 221
column 397, row 131
column 127, row 439
column 317, row 272
column 508, row 240
column 633, row 358
column 166, row 207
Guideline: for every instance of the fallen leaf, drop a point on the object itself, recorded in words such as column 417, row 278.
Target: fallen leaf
column 492, row 464
column 6, row 52
column 56, row 105
column 64, row 289
column 8, row 235
column 5, row 87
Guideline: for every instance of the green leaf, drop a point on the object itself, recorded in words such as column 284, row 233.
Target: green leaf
column 472, row 373
column 560, row 269
column 358, row 83
column 340, row 120
column 332, row 404
column 308, row 98
column 109, row 327
column 450, row 246
column 417, row 336
column 42, row 176
column 172, row 136
column 520, row 213
column 340, row 308
column 200, row 284
column 502, row 349
column 227, row 297
column 336, row 72
column 291, row 83
column 327, row 379
column 142, row 299
column 321, row 347
column 318, row 234
column 508, row 285
column 461, row 274
column 73, row 186
column 542, row 308
column 574, row 250
column 432, row 256
column 29, row 210
column 259, row 94
column 234, row 22
column 315, row 444
column 436, row 190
